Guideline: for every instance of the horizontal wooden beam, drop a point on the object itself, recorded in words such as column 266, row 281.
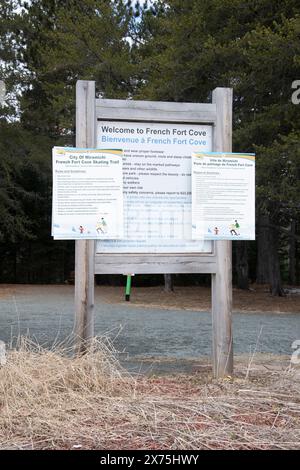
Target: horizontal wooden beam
column 155, row 111
column 154, row 264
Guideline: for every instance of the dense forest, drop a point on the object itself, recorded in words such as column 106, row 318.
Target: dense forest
column 174, row 50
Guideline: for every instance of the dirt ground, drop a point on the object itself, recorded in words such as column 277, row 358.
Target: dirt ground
column 257, row 299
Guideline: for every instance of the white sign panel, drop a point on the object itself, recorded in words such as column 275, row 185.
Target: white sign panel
column 223, row 196
column 87, row 194
column 157, row 185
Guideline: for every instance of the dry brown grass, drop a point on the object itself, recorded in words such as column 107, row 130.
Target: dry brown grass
column 49, row 400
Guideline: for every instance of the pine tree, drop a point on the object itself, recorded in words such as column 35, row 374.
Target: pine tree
column 189, row 47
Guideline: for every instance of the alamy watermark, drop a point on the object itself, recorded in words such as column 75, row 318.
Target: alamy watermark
column 2, row 92
column 295, row 358
column 296, row 94
column 2, row 353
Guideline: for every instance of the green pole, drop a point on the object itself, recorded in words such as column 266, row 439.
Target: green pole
column 128, row 288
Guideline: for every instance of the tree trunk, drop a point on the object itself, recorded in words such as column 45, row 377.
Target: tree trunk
column 274, row 266
column 292, row 254
column 262, row 265
column 169, row 287
column 242, row 268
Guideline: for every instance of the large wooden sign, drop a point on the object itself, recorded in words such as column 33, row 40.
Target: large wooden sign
column 158, row 139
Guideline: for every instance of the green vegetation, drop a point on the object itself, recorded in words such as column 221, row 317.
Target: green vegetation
column 175, row 50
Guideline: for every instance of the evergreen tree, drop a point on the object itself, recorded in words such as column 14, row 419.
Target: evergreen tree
column 65, row 41
column 189, row 47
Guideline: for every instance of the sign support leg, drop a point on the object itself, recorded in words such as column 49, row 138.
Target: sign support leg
column 84, row 249
column 222, row 279
column 84, row 294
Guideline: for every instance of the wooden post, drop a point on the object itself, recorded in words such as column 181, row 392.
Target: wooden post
column 222, row 279
column 84, row 249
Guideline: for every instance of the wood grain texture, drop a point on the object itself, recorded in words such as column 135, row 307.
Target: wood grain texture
column 154, row 264
column 84, row 249
column 222, row 279
column 155, row 111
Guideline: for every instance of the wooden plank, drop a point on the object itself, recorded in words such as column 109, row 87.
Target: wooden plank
column 155, row 111
column 154, row 264
column 84, row 293
column 222, row 279
column 84, row 249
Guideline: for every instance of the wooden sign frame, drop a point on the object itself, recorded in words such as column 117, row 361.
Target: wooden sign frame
column 218, row 263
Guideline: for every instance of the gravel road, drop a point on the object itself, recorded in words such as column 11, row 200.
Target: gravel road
column 143, row 335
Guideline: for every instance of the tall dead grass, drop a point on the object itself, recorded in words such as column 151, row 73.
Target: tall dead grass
column 50, row 400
